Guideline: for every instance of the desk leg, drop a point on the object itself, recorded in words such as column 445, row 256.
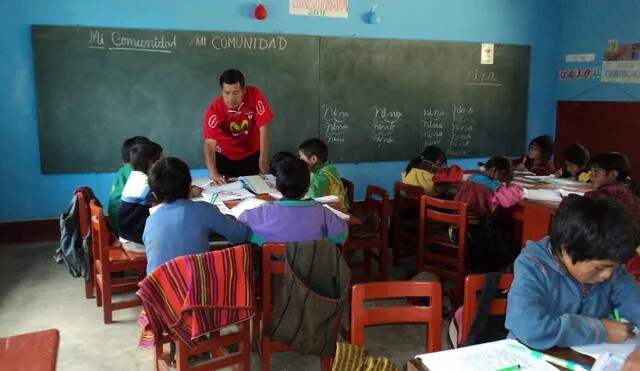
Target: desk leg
column 536, row 224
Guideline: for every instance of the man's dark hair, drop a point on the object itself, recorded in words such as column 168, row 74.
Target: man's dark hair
column 170, row 179
column 293, row 178
column 277, row 159
column 315, row 147
column 545, row 143
column 231, row 77
column 143, row 156
column 594, row 229
column 576, row 154
column 126, row 146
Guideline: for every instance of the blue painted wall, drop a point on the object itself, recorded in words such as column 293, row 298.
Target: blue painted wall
column 26, row 194
column 586, row 27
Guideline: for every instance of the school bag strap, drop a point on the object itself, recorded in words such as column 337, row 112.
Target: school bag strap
column 489, row 292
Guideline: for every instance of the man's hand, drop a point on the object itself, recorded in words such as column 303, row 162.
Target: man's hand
column 217, row 178
column 264, row 165
column 633, row 361
column 617, row 332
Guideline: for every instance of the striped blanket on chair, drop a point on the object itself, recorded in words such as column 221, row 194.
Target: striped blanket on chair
column 194, row 295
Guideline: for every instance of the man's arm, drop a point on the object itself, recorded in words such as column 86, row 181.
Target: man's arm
column 210, row 160
column 264, row 149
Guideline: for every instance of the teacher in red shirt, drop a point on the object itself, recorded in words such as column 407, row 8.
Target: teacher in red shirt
column 236, row 130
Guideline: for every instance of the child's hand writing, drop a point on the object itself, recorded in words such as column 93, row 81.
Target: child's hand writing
column 520, row 167
column 558, row 173
column 617, row 332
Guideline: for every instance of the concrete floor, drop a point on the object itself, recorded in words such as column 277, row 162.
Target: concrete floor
column 37, row 294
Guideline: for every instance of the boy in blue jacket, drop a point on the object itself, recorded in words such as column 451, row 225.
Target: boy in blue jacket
column 180, row 226
column 567, row 284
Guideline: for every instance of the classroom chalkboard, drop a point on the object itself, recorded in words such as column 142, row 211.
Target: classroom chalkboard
column 370, row 99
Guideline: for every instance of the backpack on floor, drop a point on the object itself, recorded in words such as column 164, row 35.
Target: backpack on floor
column 485, row 328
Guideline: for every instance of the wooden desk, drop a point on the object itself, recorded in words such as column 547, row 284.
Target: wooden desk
column 352, row 222
column 36, row 351
column 536, row 216
column 564, row 353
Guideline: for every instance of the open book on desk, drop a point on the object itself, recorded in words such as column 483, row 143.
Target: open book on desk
column 259, row 184
column 484, row 357
column 248, row 204
column 226, row 192
column 554, row 195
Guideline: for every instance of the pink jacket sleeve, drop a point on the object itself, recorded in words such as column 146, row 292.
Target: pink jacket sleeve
column 508, row 195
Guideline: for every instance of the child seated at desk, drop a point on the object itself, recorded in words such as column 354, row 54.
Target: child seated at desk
column 610, row 173
column 180, row 226
column 490, row 245
column 567, row 284
column 136, row 197
column 325, row 178
column 484, row 192
column 292, row 218
column 576, row 161
column 121, row 178
column 538, row 160
column 428, row 169
column 277, row 158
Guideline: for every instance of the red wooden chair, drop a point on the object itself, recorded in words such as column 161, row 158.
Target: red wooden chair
column 85, row 220
column 473, row 284
column 431, row 315
column 348, row 187
column 406, row 201
column 436, row 252
column 221, row 358
column 377, row 205
column 30, row 351
column 109, row 260
column 269, row 269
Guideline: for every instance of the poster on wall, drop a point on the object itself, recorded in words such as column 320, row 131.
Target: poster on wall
column 621, row 63
column 320, row 8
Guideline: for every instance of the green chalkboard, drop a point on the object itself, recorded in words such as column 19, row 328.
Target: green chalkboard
column 371, row 100
column 99, row 86
column 391, row 98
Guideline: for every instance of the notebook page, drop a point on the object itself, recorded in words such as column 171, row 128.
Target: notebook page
column 484, row 357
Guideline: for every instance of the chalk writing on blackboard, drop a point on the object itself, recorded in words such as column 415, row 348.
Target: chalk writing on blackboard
column 478, row 77
column 119, row 40
column 462, row 127
column 384, row 122
column 432, row 126
column 335, row 123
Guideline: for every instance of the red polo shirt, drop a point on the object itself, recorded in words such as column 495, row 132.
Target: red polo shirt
column 236, row 131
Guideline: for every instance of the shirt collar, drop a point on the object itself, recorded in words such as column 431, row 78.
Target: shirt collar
column 290, row 202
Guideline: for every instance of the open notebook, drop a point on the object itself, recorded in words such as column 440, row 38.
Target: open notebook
column 484, row 357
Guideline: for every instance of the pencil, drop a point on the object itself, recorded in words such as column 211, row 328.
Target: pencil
column 214, row 197
column 510, row 368
column 616, row 313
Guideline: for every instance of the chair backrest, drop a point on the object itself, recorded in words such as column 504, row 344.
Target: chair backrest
column 432, row 314
column 99, row 233
column 405, row 196
column 83, row 213
column 270, row 267
column 432, row 212
column 377, row 201
column 473, row 284
column 448, row 261
column 348, row 187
